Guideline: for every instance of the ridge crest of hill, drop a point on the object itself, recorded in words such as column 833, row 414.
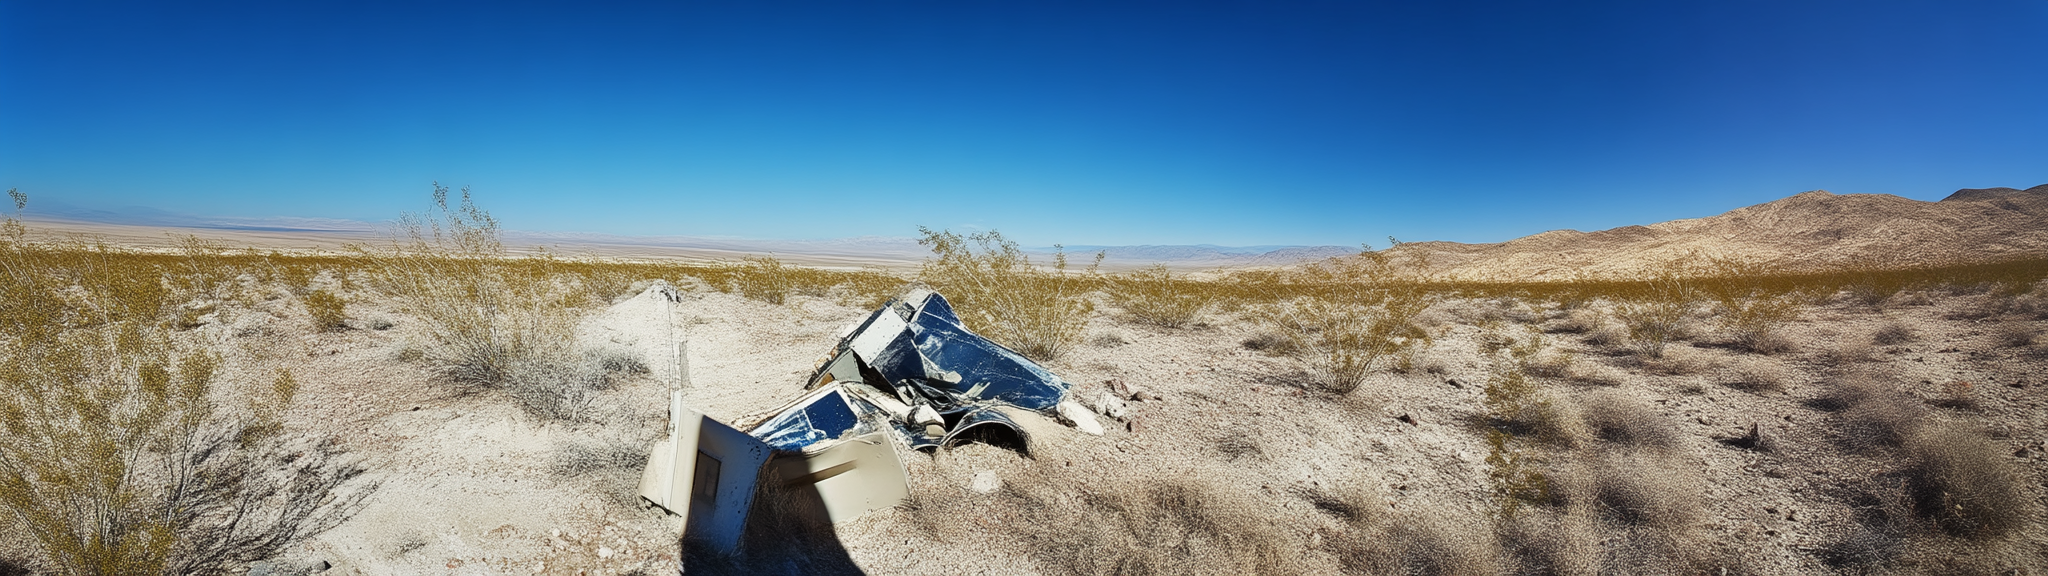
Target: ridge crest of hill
column 1809, row 230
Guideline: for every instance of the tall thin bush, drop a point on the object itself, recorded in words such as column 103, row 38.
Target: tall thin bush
column 999, row 293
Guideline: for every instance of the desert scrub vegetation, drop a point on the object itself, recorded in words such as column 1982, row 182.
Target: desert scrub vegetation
column 329, row 312
column 1657, row 307
column 997, row 291
column 1752, row 302
column 1170, row 524
column 1350, row 316
column 494, row 320
column 118, row 458
column 1155, row 295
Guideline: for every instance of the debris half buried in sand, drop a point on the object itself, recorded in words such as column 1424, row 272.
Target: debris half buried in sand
column 908, row 375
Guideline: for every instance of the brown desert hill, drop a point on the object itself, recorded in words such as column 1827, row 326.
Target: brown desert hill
column 1810, row 230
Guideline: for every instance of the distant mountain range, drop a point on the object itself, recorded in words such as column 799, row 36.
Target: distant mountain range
column 1804, row 231
column 866, row 250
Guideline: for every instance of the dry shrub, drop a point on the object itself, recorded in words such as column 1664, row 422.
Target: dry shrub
column 1270, row 343
column 763, row 278
column 1965, row 483
column 1657, row 307
column 997, row 291
column 1592, row 374
column 117, row 458
column 1438, row 544
column 329, row 312
column 2014, row 335
column 1671, row 364
column 1518, row 407
column 1753, row 301
column 1158, row 524
column 1875, row 414
column 1606, row 336
column 1359, row 314
column 1157, row 296
column 1759, row 377
column 561, row 385
column 1618, row 418
column 1577, row 321
column 1544, row 541
column 1634, row 490
column 1848, row 352
column 1894, row 333
column 494, row 320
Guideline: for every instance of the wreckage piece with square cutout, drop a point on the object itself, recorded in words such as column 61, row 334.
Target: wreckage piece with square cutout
column 917, row 349
column 705, row 472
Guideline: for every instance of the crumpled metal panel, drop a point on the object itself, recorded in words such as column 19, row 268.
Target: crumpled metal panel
column 824, row 415
column 919, row 346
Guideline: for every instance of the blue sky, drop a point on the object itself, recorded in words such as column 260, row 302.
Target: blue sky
column 1244, row 123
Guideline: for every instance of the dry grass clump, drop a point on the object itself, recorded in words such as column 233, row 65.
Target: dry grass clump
column 1623, row 420
column 1576, row 321
column 1634, row 490
column 1161, row 524
column 1759, row 377
column 1157, row 296
column 1875, row 414
column 1270, row 343
column 1849, row 352
column 1421, row 545
column 764, row 278
column 999, row 293
column 1965, row 483
column 329, row 311
column 2014, row 335
column 1894, row 333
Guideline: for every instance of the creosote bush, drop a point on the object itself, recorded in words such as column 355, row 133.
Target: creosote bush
column 495, row 320
column 1001, row 295
column 1751, row 302
column 329, row 311
column 1156, row 295
column 1657, row 307
column 115, row 459
column 1354, row 315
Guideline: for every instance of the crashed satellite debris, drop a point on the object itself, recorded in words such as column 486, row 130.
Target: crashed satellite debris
column 909, row 375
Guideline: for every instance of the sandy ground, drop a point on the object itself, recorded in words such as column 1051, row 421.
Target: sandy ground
column 471, row 484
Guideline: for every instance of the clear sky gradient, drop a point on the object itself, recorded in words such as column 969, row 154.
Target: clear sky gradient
column 1248, row 123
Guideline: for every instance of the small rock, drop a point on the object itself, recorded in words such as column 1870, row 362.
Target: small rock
column 1454, row 382
column 1079, row 417
column 1109, row 404
column 985, row 482
column 604, row 552
column 1117, row 385
column 1408, row 419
